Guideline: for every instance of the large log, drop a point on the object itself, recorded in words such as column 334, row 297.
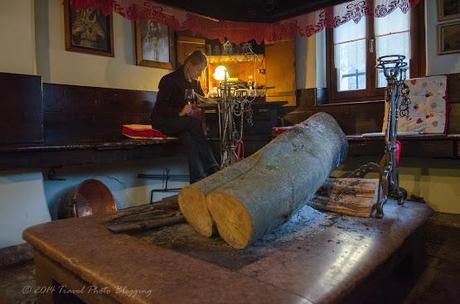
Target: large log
column 286, row 175
column 192, row 199
column 349, row 196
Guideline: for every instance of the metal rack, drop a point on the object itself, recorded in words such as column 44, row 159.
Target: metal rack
column 165, row 178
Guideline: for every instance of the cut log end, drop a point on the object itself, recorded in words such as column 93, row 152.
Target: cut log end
column 192, row 204
column 232, row 219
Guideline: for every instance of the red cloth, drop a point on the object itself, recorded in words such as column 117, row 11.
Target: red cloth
column 280, row 130
column 137, row 131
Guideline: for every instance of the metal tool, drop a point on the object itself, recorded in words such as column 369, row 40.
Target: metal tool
column 394, row 68
column 396, row 98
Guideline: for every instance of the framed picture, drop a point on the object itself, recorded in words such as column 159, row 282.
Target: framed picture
column 449, row 38
column 154, row 44
column 88, row 31
column 448, row 9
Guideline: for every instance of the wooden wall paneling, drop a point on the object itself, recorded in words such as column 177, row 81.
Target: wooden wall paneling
column 186, row 44
column 280, row 71
column 82, row 114
column 21, row 109
column 453, row 88
column 68, row 157
column 354, row 118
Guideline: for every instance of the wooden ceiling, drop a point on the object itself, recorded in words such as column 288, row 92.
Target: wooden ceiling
column 251, row 10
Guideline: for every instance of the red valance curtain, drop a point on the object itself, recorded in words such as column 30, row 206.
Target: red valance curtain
column 303, row 25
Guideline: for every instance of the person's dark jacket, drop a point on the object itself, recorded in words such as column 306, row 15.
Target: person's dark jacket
column 171, row 90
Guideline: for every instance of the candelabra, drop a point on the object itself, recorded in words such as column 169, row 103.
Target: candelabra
column 232, row 113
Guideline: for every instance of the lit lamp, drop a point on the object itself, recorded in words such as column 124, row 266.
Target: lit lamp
column 221, row 75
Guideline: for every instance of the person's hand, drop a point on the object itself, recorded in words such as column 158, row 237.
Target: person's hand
column 186, row 110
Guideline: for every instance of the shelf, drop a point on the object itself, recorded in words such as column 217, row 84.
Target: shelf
column 235, row 58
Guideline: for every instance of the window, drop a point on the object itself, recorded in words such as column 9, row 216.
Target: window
column 392, row 37
column 350, row 56
column 353, row 49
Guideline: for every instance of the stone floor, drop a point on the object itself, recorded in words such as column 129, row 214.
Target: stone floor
column 439, row 283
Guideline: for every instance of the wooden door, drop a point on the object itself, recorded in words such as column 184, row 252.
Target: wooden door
column 185, row 45
column 280, row 71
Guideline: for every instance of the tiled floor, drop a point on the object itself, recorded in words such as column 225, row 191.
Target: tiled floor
column 439, row 283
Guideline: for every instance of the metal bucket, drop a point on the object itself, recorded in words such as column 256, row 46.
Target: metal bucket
column 91, row 197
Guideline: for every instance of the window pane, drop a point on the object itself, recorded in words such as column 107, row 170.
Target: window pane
column 397, row 21
column 350, row 56
column 392, row 38
column 350, row 64
column 350, row 31
column 395, row 44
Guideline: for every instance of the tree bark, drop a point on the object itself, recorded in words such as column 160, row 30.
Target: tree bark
column 349, row 196
column 285, row 176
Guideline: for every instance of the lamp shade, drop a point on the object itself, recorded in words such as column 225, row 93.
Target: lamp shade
column 220, row 73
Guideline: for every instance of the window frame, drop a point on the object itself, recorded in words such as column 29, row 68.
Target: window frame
column 417, row 60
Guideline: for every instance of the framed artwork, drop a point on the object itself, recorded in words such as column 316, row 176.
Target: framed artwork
column 449, row 38
column 154, row 44
column 88, row 31
column 448, row 9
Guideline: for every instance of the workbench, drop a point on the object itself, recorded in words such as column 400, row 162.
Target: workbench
column 316, row 257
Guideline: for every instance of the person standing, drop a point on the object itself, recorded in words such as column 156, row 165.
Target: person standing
column 172, row 115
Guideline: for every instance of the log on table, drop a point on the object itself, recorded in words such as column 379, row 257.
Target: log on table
column 349, row 196
column 144, row 223
column 286, row 175
column 145, row 217
column 192, row 199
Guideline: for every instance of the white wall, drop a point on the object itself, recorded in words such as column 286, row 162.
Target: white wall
column 17, row 36
column 311, row 61
column 305, row 62
column 22, row 204
column 120, row 178
column 27, row 198
column 437, row 64
column 57, row 65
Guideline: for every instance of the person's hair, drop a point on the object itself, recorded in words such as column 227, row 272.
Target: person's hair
column 197, row 57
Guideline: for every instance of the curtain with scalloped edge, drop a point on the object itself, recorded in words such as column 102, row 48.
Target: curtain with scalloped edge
column 304, row 25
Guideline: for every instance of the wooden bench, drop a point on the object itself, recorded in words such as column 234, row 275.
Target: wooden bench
column 71, row 125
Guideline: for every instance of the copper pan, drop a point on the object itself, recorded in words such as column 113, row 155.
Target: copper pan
column 91, row 197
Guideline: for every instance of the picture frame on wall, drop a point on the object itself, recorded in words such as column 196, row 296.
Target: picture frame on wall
column 88, row 31
column 154, row 43
column 448, row 9
column 449, row 38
